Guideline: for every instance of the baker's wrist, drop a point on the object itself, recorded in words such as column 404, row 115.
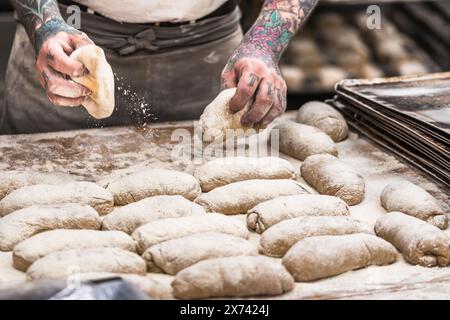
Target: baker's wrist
column 49, row 29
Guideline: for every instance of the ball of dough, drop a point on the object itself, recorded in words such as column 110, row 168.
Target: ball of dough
column 324, row 117
column 217, row 120
column 329, row 175
column 100, row 80
column 300, row 140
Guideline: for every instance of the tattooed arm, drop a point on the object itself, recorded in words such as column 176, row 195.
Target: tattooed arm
column 253, row 66
column 53, row 41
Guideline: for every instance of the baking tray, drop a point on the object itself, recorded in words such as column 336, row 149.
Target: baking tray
column 413, row 136
column 421, row 101
column 393, row 144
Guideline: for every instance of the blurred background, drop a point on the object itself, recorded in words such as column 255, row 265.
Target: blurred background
column 335, row 44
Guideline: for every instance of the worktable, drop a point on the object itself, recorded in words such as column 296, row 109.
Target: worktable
column 95, row 153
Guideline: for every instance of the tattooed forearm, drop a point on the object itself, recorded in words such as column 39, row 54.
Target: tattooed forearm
column 274, row 28
column 41, row 19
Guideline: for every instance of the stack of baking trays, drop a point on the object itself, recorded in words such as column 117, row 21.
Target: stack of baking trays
column 337, row 44
column 408, row 115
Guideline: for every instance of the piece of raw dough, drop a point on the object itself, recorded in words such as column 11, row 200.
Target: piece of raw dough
column 300, row 140
column 232, row 277
column 171, row 256
column 100, row 81
column 217, row 120
column 153, row 182
column 25, row 223
column 158, row 231
column 62, row 264
column 324, row 117
column 278, row 239
column 331, row 176
column 222, row 171
column 239, row 197
column 271, row 212
column 81, row 192
column 404, row 196
column 12, row 180
column 320, row 257
column 420, row 242
column 136, row 214
column 42, row 244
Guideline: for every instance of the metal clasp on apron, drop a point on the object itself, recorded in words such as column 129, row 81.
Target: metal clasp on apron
column 141, row 40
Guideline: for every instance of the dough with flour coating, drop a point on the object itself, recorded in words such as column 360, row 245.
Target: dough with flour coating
column 217, row 118
column 80, row 192
column 420, row 242
column 222, row 171
column 100, row 81
column 278, row 239
column 158, row 231
column 331, row 176
column 15, row 179
column 404, row 196
column 136, row 214
column 326, row 118
column 232, row 277
column 62, row 264
column 153, row 182
column 44, row 243
column 320, row 257
column 171, row 256
column 239, row 197
column 24, row 223
column 271, row 212
column 300, row 141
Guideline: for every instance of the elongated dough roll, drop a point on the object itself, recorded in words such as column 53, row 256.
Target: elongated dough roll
column 153, row 182
column 171, row 256
column 81, row 192
column 12, row 180
column 406, row 197
column 217, row 119
column 222, row 171
column 62, row 264
column 271, row 212
column 158, row 231
column 324, row 117
column 420, row 242
column 300, row 141
column 278, row 239
column 136, row 214
column 239, row 197
column 232, row 277
column 320, row 257
column 100, row 81
column 329, row 175
column 24, row 223
column 42, row 244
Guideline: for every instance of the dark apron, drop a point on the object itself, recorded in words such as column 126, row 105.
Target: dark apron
column 161, row 73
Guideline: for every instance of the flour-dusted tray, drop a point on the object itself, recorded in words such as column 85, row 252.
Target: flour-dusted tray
column 95, row 153
column 408, row 115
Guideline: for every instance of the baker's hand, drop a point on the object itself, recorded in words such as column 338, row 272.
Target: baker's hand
column 54, row 67
column 256, row 75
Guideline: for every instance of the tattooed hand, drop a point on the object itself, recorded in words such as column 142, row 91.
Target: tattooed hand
column 54, row 65
column 253, row 66
column 54, row 41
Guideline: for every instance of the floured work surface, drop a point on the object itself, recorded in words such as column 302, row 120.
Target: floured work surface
column 98, row 152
